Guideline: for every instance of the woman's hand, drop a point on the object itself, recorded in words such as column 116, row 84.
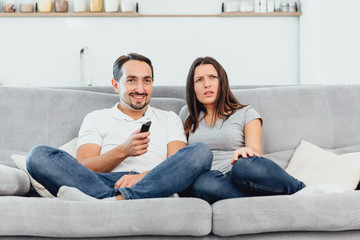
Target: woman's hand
column 129, row 180
column 243, row 152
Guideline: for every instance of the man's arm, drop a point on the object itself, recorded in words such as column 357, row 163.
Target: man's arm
column 174, row 146
column 89, row 154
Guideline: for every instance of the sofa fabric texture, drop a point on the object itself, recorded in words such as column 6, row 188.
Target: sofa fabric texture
column 326, row 116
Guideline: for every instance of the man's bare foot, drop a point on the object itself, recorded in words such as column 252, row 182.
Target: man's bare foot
column 120, row 197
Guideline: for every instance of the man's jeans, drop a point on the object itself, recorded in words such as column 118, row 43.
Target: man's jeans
column 251, row 176
column 54, row 168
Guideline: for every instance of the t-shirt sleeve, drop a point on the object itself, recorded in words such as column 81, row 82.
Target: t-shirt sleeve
column 89, row 132
column 184, row 113
column 251, row 114
column 175, row 128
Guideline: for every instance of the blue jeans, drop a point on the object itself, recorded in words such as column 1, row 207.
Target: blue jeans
column 251, row 176
column 54, row 168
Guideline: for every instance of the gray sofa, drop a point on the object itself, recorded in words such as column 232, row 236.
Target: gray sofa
column 328, row 116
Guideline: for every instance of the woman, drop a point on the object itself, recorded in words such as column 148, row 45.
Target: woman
column 233, row 132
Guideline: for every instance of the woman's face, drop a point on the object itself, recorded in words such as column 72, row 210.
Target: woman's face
column 206, row 84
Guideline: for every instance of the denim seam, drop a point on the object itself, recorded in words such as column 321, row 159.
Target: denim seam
column 124, row 193
column 265, row 188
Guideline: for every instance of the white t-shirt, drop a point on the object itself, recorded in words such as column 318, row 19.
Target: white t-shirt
column 110, row 127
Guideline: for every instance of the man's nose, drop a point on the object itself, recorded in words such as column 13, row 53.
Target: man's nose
column 140, row 87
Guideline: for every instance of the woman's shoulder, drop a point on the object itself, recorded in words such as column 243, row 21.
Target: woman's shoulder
column 184, row 113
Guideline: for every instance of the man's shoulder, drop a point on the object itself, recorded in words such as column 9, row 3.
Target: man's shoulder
column 100, row 112
column 160, row 112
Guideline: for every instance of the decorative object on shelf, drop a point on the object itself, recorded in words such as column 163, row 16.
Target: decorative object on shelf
column 270, row 5
column 127, row 6
column 96, row 5
column 277, row 5
column 246, row 5
column 111, row 5
column 79, row 6
column 61, row 5
column 45, row 6
column 26, row 6
column 256, row 5
column 9, row 6
column 231, row 6
column 263, row 6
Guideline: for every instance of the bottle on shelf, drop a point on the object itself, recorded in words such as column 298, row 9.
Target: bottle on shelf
column 79, row 6
column 61, row 5
column 45, row 6
column 263, row 6
column 26, row 6
column 111, row 5
column 231, row 6
column 246, row 5
column 9, row 6
column 256, row 5
column 96, row 5
column 270, row 5
column 127, row 6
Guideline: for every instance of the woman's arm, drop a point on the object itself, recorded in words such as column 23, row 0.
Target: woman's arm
column 253, row 133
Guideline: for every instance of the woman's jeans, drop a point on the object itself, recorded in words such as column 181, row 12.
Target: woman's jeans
column 251, row 176
column 54, row 168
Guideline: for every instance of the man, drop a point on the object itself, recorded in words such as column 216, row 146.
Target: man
column 114, row 159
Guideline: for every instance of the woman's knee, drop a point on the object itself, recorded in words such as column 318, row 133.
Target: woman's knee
column 245, row 168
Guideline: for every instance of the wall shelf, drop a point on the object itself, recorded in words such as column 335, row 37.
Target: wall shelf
column 121, row 14
column 258, row 14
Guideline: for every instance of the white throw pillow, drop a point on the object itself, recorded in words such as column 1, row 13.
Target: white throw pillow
column 315, row 166
column 20, row 160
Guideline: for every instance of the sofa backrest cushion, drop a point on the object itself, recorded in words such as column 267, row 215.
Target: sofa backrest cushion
column 32, row 116
column 326, row 116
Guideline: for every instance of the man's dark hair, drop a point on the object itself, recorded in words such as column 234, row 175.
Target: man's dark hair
column 117, row 67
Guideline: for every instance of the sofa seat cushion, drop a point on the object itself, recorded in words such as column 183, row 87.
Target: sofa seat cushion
column 302, row 212
column 52, row 217
column 13, row 181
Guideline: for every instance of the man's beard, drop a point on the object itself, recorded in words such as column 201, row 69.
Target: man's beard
column 133, row 106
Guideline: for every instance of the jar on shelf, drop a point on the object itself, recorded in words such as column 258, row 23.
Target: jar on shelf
column 96, row 5
column 61, row 5
column 246, row 5
column 45, row 6
column 231, row 5
column 111, row 5
column 9, row 6
column 127, row 6
column 26, row 6
column 79, row 6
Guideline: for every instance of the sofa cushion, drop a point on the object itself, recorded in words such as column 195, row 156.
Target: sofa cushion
column 5, row 157
column 20, row 160
column 52, row 217
column 307, row 212
column 327, row 116
column 315, row 166
column 13, row 181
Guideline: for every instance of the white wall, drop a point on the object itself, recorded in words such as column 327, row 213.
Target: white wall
column 329, row 42
column 44, row 51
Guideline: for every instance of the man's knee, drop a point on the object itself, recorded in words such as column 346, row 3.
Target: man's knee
column 201, row 154
column 37, row 156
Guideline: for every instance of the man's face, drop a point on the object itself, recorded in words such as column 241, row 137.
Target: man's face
column 135, row 85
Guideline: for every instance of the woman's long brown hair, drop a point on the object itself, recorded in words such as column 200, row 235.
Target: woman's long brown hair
column 226, row 103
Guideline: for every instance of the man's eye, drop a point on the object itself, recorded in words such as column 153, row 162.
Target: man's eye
column 213, row 77
column 198, row 80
